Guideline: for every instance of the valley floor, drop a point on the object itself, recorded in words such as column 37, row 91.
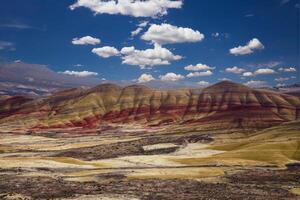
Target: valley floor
column 133, row 162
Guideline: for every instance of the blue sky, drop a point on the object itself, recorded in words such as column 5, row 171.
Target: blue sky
column 255, row 42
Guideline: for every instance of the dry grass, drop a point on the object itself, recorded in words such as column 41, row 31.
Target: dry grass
column 176, row 173
column 278, row 145
column 40, row 162
column 295, row 191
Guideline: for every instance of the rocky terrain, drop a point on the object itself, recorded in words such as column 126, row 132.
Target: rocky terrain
column 134, row 162
column 227, row 141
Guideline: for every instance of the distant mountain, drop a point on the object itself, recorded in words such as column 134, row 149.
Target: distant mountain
column 293, row 89
column 223, row 105
column 34, row 80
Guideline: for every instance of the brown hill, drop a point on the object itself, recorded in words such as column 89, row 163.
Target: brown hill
column 224, row 104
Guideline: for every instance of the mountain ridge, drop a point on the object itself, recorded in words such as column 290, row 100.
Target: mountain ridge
column 225, row 104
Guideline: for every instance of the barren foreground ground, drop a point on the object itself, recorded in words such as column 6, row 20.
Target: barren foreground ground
column 132, row 162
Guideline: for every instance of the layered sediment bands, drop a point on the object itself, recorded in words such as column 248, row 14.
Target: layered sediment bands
column 225, row 104
column 9, row 105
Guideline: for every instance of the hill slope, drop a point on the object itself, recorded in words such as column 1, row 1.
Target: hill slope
column 224, row 104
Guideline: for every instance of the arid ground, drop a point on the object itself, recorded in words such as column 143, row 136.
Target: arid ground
column 135, row 162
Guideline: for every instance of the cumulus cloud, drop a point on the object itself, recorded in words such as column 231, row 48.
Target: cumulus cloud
column 256, row 84
column 137, row 8
column 288, row 69
column 264, row 71
column 86, row 40
column 198, row 67
column 199, row 74
column 79, row 73
column 136, row 31
column 143, row 24
column 235, row 70
column 169, row 34
column 203, row 83
column 106, row 51
column 149, row 57
column 281, row 79
column 145, row 78
column 248, row 74
column 224, row 79
column 139, row 29
column 252, row 45
column 171, row 77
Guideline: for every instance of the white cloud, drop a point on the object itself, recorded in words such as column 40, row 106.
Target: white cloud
column 264, row 71
column 252, row 45
column 203, row 83
column 218, row 35
column 235, row 70
column 253, row 83
column 281, row 79
column 145, row 78
column 86, row 40
column 288, row 69
column 149, row 57
column 140, row 28
column 6, row 46
column 127, row 50
column 137, row 8
column 215, row 34
column 169, row 34
column 136, row 31
column 79, row 73
column 280, row 85
column 199, row 74
column 248, row 74
column 106, row 51
column 171, row 77
column 143, row 24
column 224, row 79
column 198, row 67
